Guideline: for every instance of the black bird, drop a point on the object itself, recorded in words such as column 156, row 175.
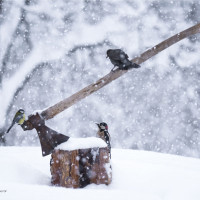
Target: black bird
column 120, row 59
column 103, row 134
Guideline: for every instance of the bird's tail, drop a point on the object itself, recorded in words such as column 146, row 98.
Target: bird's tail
column 10, row 127
column 130, row 66
column 134, row 65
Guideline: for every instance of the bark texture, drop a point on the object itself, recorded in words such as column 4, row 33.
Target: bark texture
column 81, row 167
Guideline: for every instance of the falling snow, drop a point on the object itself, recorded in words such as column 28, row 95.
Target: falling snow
column 50, row 50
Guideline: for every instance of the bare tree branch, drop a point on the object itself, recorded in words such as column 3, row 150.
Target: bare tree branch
column 7, row 55
column 90, row 46
column 66, row 103
column 19, row 89
column 1, row 7
column 40, row 66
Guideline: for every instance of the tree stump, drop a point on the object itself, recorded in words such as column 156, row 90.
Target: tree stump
column 76, row 168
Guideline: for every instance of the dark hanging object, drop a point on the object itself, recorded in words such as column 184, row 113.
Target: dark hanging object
column 49, row 138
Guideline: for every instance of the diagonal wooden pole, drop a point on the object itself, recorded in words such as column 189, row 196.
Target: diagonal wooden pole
column 66, row 103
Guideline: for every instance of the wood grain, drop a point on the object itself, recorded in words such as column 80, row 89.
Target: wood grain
column 81, row 167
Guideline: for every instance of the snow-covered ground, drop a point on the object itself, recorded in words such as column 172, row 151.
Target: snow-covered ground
column 25, row 175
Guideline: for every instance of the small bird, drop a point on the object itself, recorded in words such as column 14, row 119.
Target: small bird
column 120, row 59
column 103, row 134
column 18, row 118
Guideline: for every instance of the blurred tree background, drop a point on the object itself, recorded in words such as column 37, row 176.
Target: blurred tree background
column 52, row 49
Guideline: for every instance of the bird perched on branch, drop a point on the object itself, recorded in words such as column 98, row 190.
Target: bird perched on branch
column 120, row 59
column 18, row 118
column 103, row 134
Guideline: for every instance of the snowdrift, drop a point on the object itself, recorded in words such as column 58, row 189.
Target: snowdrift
column 25, row 174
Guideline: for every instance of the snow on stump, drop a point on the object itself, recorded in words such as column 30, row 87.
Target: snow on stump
column 79, row 162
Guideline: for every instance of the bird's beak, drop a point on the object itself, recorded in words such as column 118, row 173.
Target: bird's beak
column 97, row 125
